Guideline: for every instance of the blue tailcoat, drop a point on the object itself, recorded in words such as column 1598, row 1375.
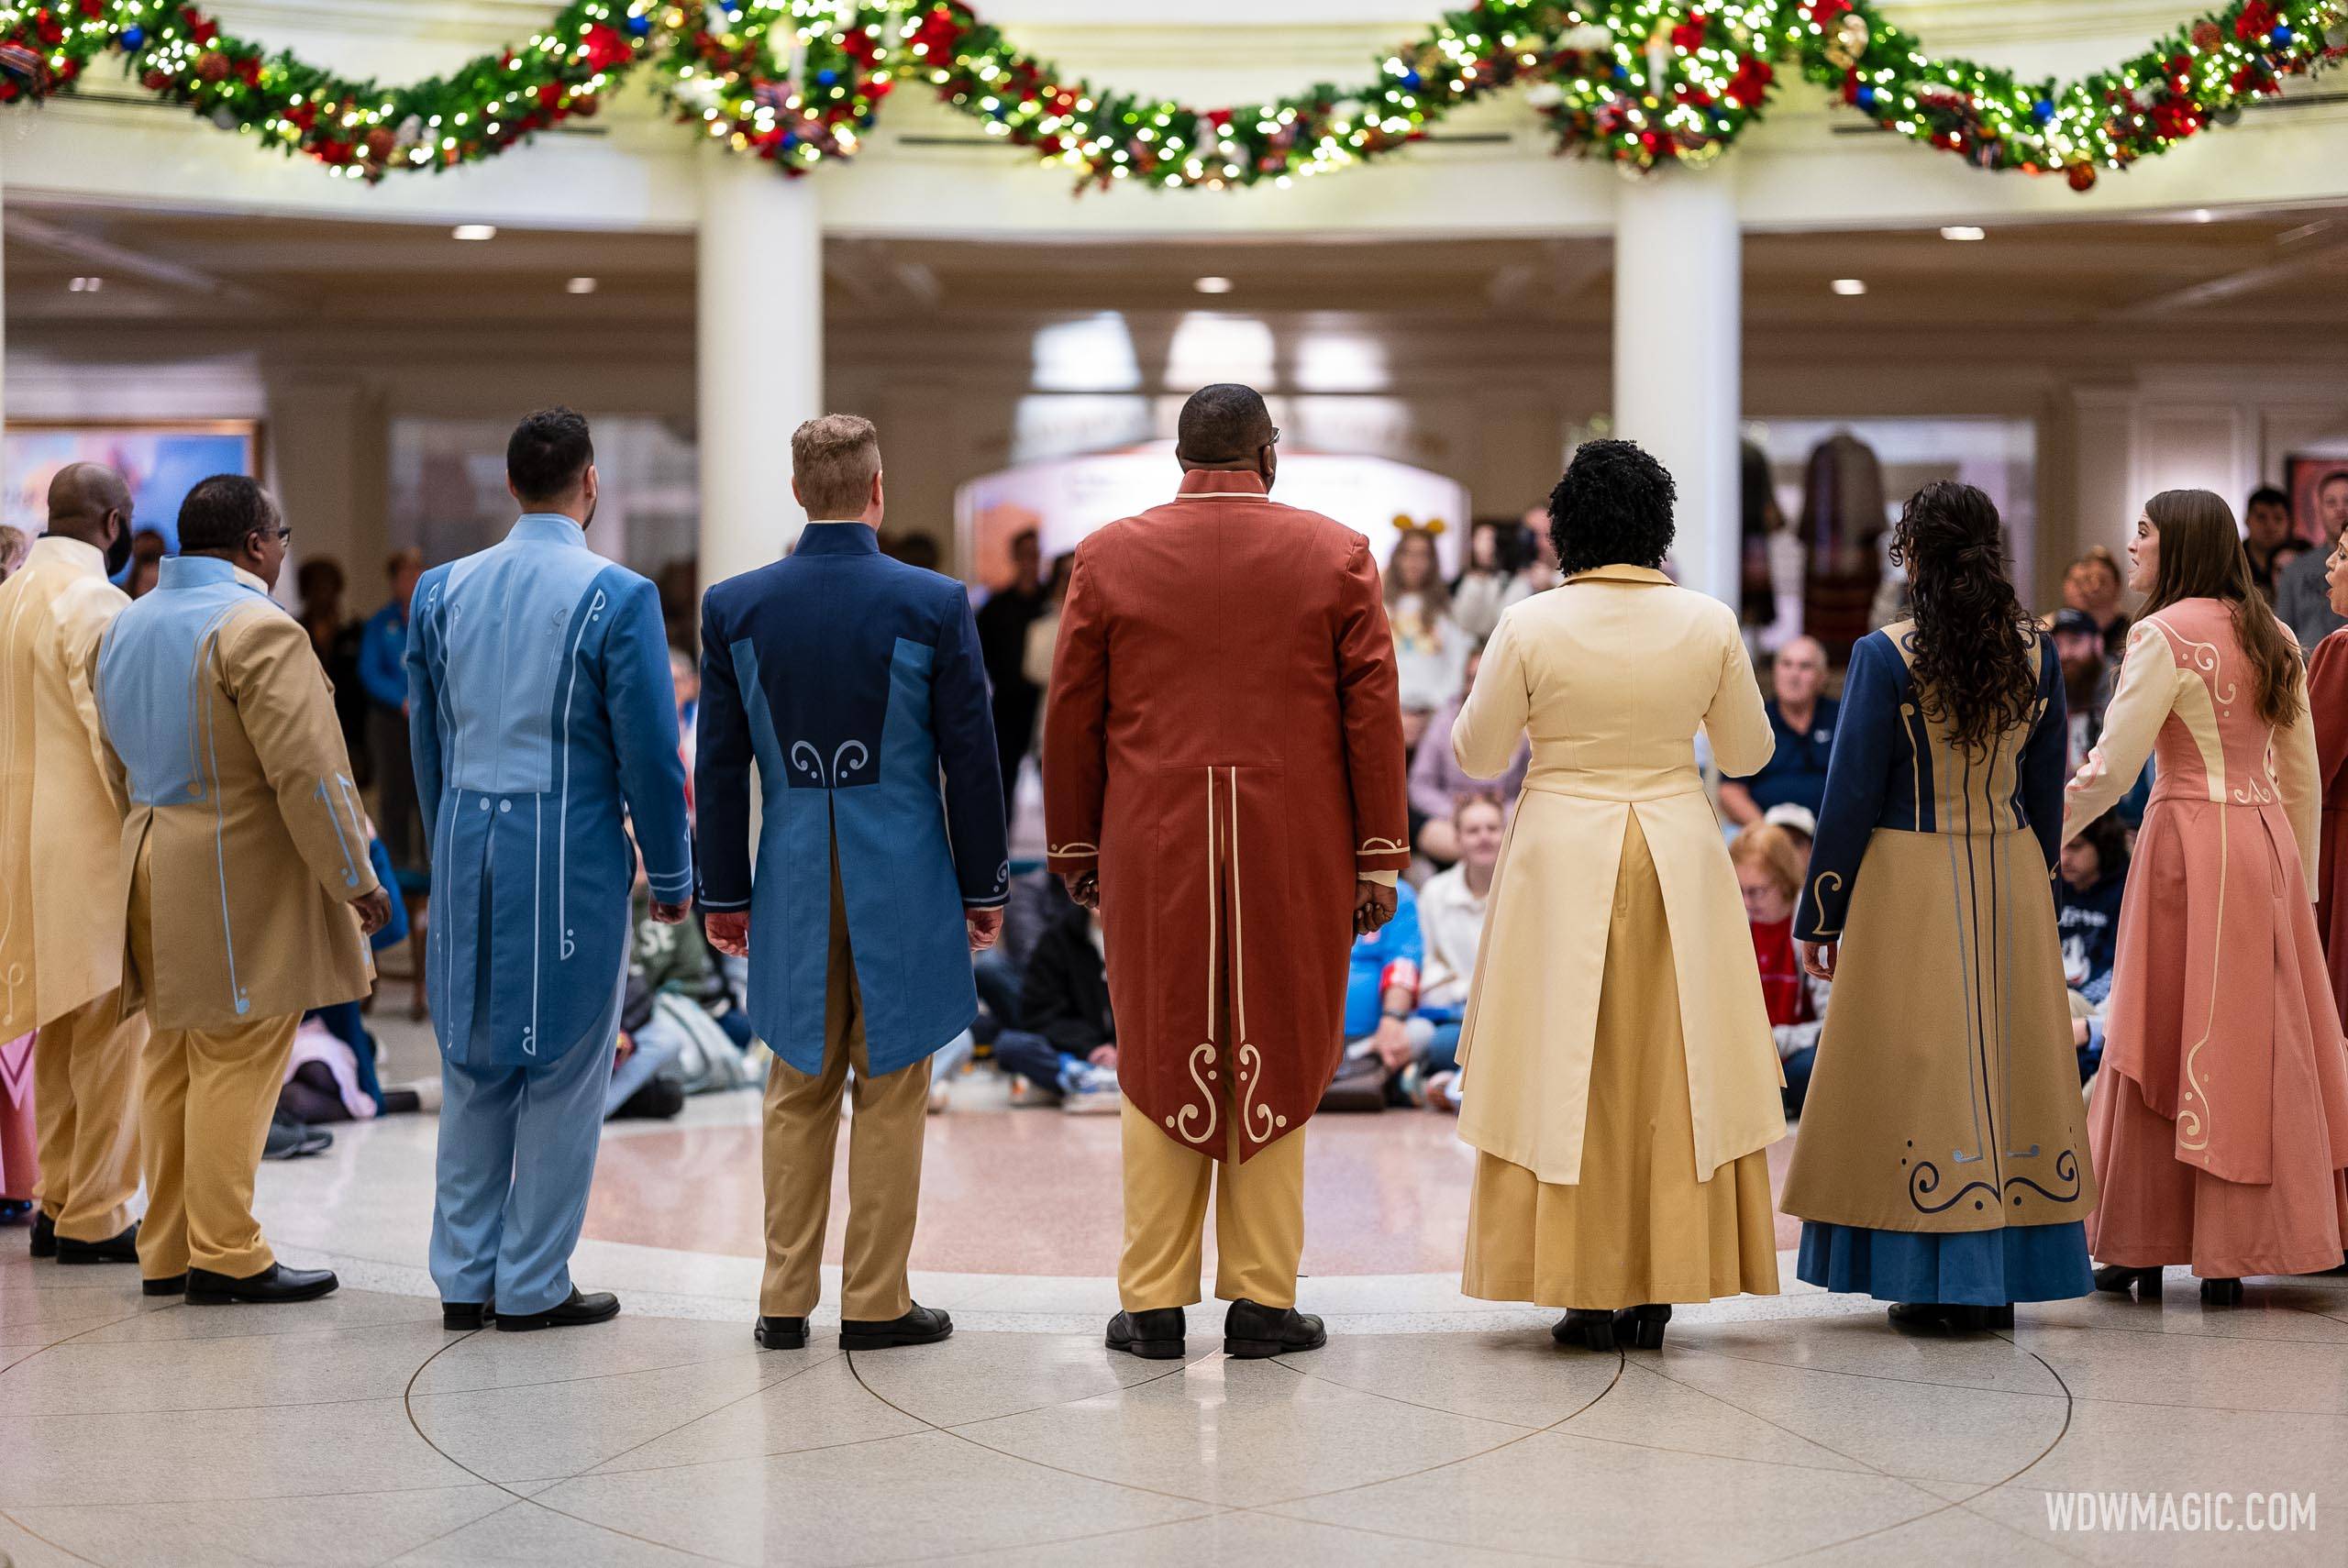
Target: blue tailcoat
column 543, row 717
column 853, row 681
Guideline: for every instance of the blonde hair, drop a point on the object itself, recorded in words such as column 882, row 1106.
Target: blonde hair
column 833, row 461
column 1771, row 848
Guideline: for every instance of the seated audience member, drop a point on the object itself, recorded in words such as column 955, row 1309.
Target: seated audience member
column 1381, row 992
column 2087, row 916
column 342, row 1051
column 683, row 1031
column 15, row 546
column 1803, row 717
column 1039, row 901
column 2095, row 585
column 1069, row 1046
column 1768, row 872
column 1438, row 783
column 2268, row 532
column 1451, row 922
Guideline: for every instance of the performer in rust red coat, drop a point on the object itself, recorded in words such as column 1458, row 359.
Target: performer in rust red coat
column 1225, row 781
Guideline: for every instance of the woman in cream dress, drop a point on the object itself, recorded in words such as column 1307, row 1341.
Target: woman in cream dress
column 1622, row 1084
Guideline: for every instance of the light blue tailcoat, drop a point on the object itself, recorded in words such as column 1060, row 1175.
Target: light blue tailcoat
column 543, row 718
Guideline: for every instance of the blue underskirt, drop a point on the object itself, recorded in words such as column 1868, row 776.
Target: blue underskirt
column 1973, row 1269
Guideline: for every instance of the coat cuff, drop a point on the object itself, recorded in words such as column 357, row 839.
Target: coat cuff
column 1073, row 858
column 1375, row 852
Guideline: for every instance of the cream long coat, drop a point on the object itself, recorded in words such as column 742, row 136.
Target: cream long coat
column 1612, row 673
column 62, row 884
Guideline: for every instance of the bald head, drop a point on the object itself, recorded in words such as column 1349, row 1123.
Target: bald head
column 89, row 502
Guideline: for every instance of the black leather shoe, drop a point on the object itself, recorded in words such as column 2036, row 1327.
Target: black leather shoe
column 275, row 1283
column 1252, row 1331
column 2119, row 1281
column 44, row 1236
column 2222, row 1292
column 464, row 1316
column 579, row 1310
column 166, row 1284
column 1954, row 1315
column 121, row 1248
column 1642, row 1326
column 921, row 1326
column 1589, row 1327
column 780, row 1334
column 1155, row 1334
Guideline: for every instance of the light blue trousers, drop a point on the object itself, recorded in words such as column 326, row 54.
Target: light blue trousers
column 517, row 1155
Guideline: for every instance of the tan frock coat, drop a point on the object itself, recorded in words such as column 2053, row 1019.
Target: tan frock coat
column 256, row 845
column 62, row 888
column 1612, row 673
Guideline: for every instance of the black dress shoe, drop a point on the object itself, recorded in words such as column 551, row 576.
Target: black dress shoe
column 921, row 1326
column 121, row 1248
column 2120, row 1280
column 580, row 1309
column 275, row 1283
column 1252, row 1331
column 780, row 1334
column 1155, row 1334
column 1954, row 1315
column 44, row 1236
column 1642, row 1326
column 463, row 1316
column 164, row 1285
column 1589, row 1327
column 2222, row 1292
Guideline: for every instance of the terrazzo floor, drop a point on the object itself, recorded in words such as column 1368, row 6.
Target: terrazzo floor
column 1432, row 1429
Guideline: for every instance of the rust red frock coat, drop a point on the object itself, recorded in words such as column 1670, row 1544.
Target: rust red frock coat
column 1223, row 742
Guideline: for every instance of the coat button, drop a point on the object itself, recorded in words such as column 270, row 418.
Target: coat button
column 484, row 805
column 503, row 807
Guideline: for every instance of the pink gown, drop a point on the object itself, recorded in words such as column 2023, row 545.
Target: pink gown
column 19, row 1150
column 2219, row 1122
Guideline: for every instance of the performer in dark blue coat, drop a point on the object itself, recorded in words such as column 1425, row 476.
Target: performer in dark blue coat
column 856, row 684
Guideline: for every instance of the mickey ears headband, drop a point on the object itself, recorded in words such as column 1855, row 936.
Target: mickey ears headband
column 1405, row 523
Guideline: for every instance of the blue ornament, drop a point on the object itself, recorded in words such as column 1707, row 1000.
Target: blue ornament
column 2281, row 35
column 827, row 77
column 639, row 24
column 130, row 38
column 1412, row 78
column 1866, row 98
column 2041, row 111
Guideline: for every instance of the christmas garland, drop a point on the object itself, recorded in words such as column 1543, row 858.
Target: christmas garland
column 1641, row 83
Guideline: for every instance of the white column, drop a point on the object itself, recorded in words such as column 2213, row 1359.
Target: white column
column 758, row 330
column 1678, row 354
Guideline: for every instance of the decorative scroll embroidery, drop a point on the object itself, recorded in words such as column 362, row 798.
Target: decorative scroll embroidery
column 1368, row 845
column 811, row 763
column 1204, row 1050
column 1068, row 851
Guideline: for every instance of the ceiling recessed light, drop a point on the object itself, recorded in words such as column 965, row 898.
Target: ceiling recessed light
column 2203, row 215
column 580, row 285
column 1965, row 231
column 84, row 285
column 1850, row 285
column 473, row 231
column 1214, row 285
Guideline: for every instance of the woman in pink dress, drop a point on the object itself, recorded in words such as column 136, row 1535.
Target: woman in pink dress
column 2219, row 1123
column 19, row 1157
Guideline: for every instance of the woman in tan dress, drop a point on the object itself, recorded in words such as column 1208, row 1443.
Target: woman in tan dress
column 1622, row 1084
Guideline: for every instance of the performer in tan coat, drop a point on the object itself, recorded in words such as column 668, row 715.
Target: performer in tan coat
column 1620, row 1080
column 60, row 880
column 250, row 892
column 1224, row 781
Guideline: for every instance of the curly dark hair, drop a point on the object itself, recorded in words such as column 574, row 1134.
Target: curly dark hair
column 1612, row 508
column 1974, row 640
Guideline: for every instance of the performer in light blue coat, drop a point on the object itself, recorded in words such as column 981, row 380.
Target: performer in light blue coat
column 543, row 719
column 856, row 684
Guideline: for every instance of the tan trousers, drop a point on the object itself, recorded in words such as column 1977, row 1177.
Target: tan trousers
column 884, row 1146
column 85, row 1106
column 1258, row 1220
column 205, row 1095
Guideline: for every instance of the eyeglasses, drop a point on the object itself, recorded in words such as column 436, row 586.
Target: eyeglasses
column 1276, row 436
column 285, row 535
